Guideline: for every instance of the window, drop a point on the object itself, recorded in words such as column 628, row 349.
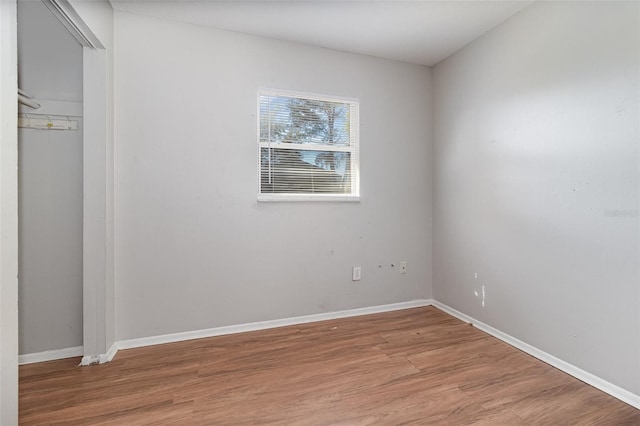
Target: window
column 307, row 147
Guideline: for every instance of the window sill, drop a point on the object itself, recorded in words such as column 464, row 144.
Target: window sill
column 279, row 198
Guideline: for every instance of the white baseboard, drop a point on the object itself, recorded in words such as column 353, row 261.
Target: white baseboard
column 113, row 350
column 50, row 355
column 595, row 381
column 241, row 328
column 262, row 325
column 211, row 332
column 605, row 386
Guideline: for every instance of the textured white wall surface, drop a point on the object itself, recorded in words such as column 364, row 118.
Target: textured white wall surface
column 50, row 192
column 194, row 249
column 536, row 183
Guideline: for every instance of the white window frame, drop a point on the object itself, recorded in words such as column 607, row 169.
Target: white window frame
column 353, row 148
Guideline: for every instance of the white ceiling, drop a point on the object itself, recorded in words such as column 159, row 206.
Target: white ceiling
column 421, row 32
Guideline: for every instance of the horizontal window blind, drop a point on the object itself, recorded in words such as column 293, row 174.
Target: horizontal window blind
column 308, row 147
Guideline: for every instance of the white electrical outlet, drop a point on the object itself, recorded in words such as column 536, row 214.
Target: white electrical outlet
column 403, row 267
column 356, row 273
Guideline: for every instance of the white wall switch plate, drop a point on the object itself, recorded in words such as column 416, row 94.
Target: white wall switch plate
column 356, row 273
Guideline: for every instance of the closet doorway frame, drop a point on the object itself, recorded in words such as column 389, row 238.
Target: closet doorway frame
column 97, row 200
column 98, row 288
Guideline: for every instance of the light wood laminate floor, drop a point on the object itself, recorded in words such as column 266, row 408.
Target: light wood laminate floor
column 417, row 366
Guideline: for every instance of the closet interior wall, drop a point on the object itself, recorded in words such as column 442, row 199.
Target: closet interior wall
column 50, row 186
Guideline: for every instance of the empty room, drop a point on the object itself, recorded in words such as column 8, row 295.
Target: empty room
column 319, row 212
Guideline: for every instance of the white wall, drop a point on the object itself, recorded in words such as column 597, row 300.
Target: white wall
column 50, row 192
column 194, row 249
column 8, row 214
column 50, row 240
column 536, row 183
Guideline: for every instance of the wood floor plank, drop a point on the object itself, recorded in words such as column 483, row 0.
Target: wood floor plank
column 416, row 366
